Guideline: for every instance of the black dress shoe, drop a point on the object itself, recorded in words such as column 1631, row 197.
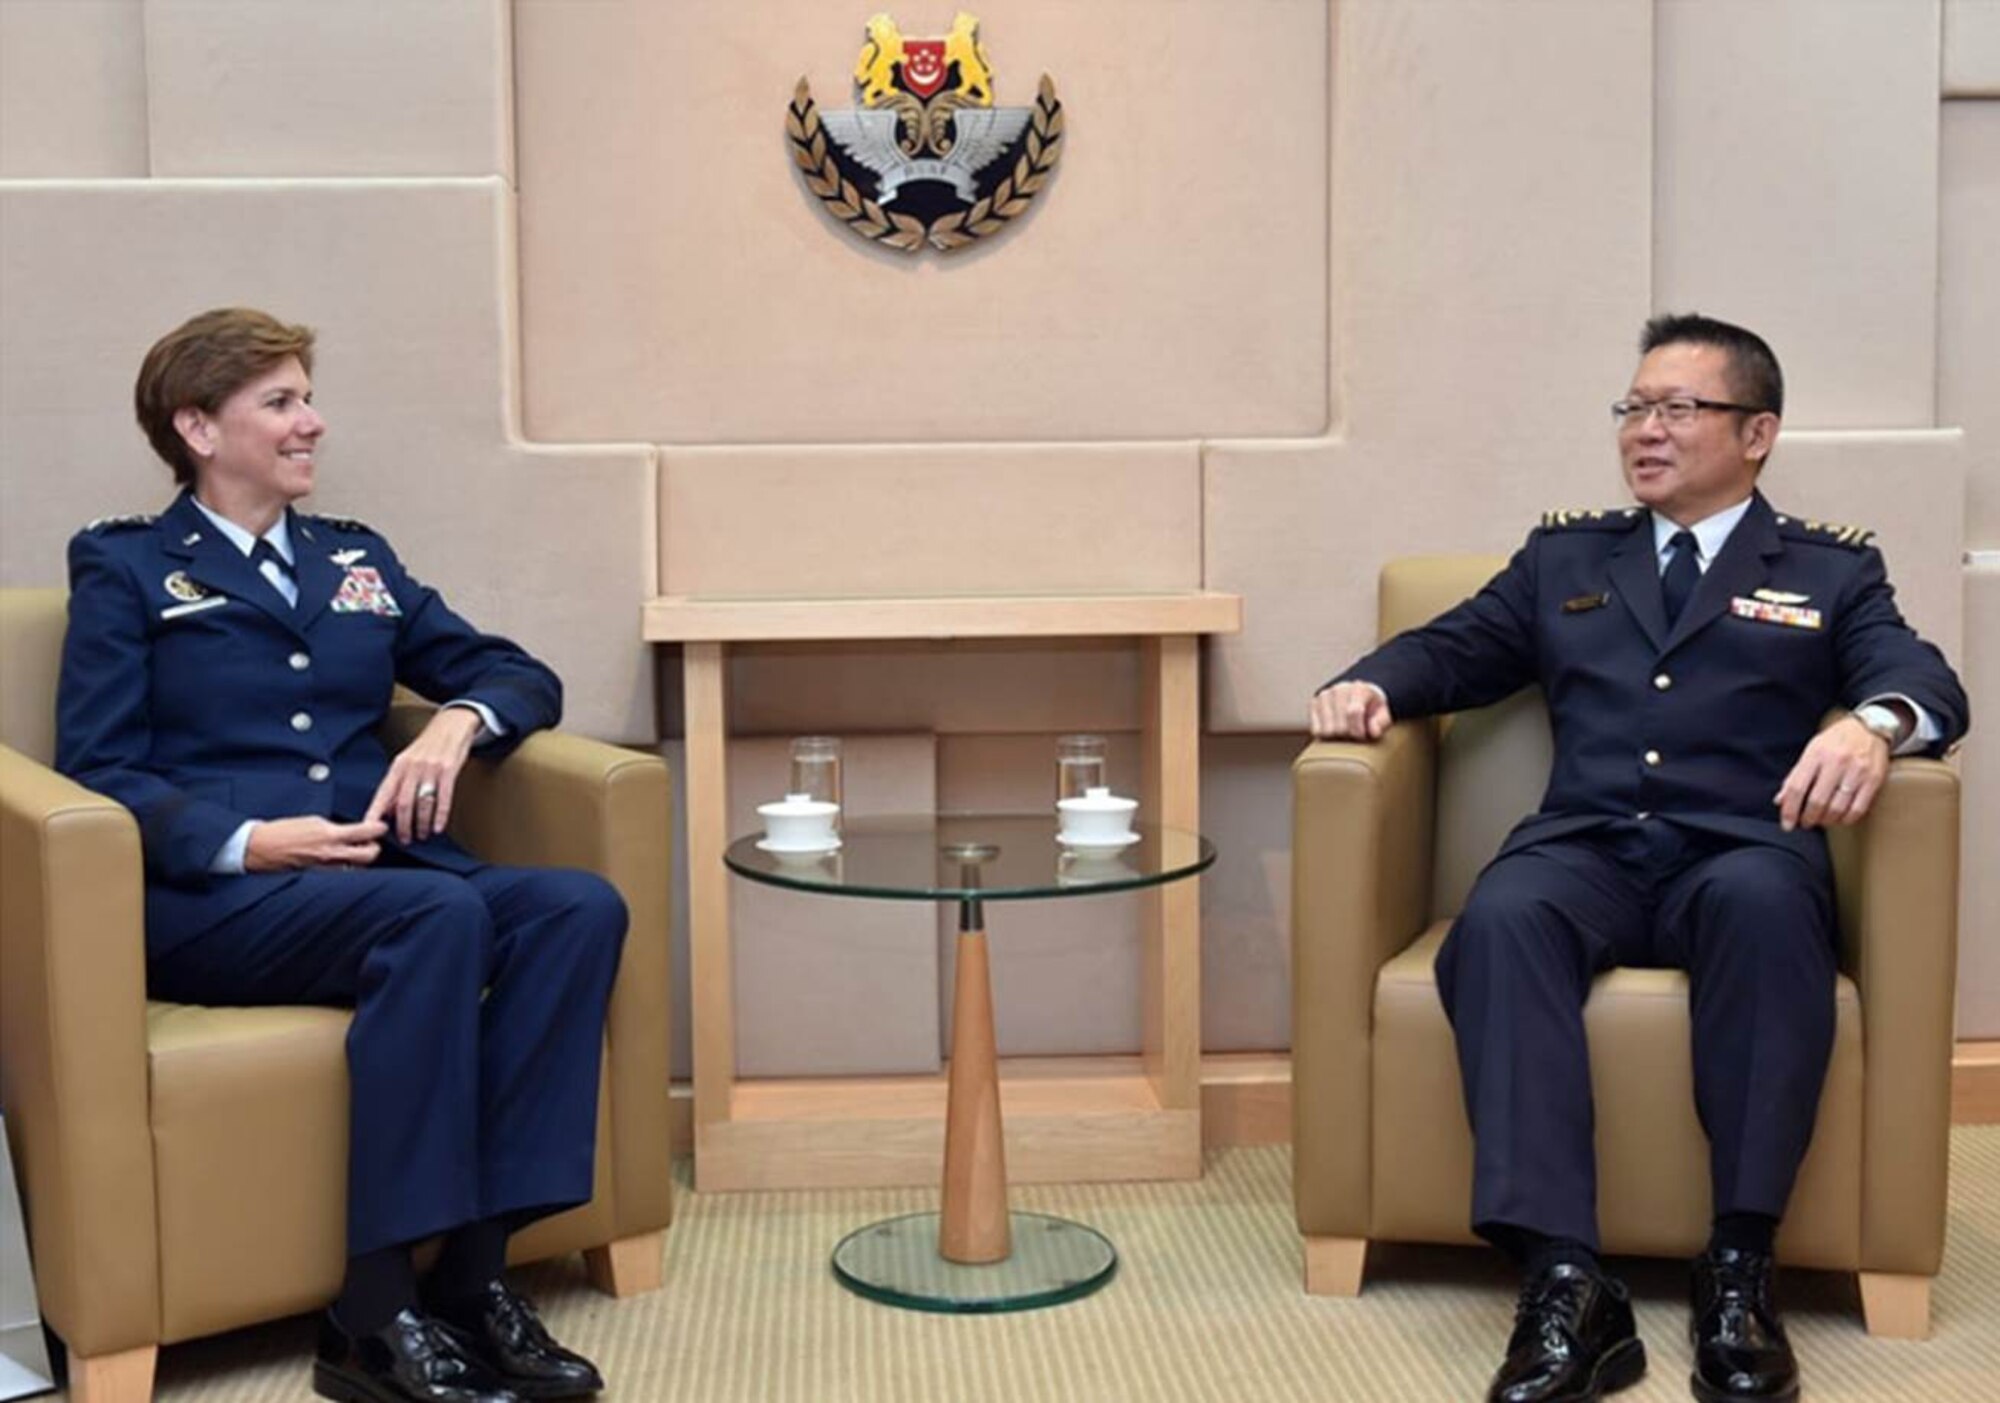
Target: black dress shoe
column 504, row 1333
column 1573, row 1341
column 412, row 1359
column 1740, row 1349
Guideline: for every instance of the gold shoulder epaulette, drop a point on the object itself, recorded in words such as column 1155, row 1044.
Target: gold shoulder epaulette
column 1827, row 533
column 1589, row 518
column 122, row 523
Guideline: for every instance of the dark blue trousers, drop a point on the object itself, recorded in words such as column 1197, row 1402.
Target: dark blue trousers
column 479, row 1004
column 1753, row 926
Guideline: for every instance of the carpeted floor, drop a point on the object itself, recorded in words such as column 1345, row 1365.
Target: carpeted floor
column 1206, row 1306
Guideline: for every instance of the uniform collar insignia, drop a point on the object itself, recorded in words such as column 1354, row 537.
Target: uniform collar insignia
column 1779, row 596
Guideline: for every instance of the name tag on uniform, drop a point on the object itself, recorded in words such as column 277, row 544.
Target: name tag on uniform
column 1790, row 615
column 1585, row 602
column 213, row 601
column 362, row 592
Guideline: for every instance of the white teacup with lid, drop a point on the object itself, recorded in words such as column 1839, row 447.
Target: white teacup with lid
column 799, row 823
column 1099, row 819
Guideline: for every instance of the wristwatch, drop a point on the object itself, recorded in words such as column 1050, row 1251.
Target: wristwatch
column 1884, row 722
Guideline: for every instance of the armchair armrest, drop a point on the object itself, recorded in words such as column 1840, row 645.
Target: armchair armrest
column 1363, row 822
column 73, row 1069
column 567, row 801
column 1896, row 874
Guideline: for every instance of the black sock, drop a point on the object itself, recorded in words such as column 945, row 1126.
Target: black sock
column 473, row 1254
column 377, row 1285
column 1535, row 1252
column 1744, row 1232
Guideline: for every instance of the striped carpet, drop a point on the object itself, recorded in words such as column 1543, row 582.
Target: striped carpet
column 1206, row 1307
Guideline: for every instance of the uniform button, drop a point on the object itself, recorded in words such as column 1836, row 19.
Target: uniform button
column 1662, row 682
column 301, row 721
column 300, row 662
column 318, row 773
column 1652, row 757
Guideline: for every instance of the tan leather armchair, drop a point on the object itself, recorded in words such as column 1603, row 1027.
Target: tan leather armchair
column 1386, row 841
column 184, row 1168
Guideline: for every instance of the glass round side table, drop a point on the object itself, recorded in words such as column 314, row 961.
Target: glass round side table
column 973, row 1254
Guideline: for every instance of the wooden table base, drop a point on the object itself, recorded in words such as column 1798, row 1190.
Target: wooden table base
column 974, row 1213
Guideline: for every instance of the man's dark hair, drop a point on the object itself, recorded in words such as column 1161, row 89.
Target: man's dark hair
column 1754, row 377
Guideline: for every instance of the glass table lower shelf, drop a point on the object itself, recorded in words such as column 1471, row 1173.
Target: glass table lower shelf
column 897, row 1262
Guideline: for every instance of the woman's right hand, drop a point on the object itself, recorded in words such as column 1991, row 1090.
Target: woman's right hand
column 287, row 844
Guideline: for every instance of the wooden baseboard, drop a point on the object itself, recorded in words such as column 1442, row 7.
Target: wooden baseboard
column 1975, row 1084
column 1246, row 1097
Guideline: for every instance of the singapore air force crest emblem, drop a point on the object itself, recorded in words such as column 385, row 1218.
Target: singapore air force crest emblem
column 924, row 158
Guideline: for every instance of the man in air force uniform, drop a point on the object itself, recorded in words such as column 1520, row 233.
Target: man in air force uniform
column 1689, row 649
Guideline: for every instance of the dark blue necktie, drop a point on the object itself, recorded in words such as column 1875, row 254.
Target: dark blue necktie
column 264, row 551
column 1682, row 574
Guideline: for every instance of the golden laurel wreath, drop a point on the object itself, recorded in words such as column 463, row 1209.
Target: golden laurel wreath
column 845, row 202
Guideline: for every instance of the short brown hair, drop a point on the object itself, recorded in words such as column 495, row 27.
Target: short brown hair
column 201, row 363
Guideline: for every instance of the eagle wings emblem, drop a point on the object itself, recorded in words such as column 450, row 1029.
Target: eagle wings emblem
column 925, row 158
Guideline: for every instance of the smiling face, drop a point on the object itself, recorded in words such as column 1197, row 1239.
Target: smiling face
column 254, row 454
column 1686, row 472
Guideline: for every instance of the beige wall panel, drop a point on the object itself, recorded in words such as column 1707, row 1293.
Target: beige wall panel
column 1016, row 774
column 829, row 987
column 981, row 686
column 1972, row 48
column 72, row 88
column 1246, row 911
column 1979, row 761
column 938, row 519
column 1796, row 193
column 308, row 88
column 407, row 284
column 1304, row 551
column 1969, row 304
column 682, row 285
column 1066, row 973
column 1491, row 272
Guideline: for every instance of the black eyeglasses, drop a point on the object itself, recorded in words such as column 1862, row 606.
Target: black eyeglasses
column 1681, row 409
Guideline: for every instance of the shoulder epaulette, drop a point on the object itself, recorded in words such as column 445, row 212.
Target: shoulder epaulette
column 344, row 523
column 122, row 523
column 1825, row 533
column 1590, row 518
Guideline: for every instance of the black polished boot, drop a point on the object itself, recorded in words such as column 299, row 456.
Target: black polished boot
column 1740, row 1349
column 412, row 1359
column 1573, row 1340
column 504, row 1333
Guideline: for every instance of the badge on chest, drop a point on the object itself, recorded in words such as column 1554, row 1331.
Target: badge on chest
column 194, row 598
column 1772, row 607
column 362, row 592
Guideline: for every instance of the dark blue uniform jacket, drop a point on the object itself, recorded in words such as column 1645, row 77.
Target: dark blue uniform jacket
column 1700, row 723
column 195, row 696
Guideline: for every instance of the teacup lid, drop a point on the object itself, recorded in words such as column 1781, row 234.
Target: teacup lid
column 1097, row 801
column 798, row 806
